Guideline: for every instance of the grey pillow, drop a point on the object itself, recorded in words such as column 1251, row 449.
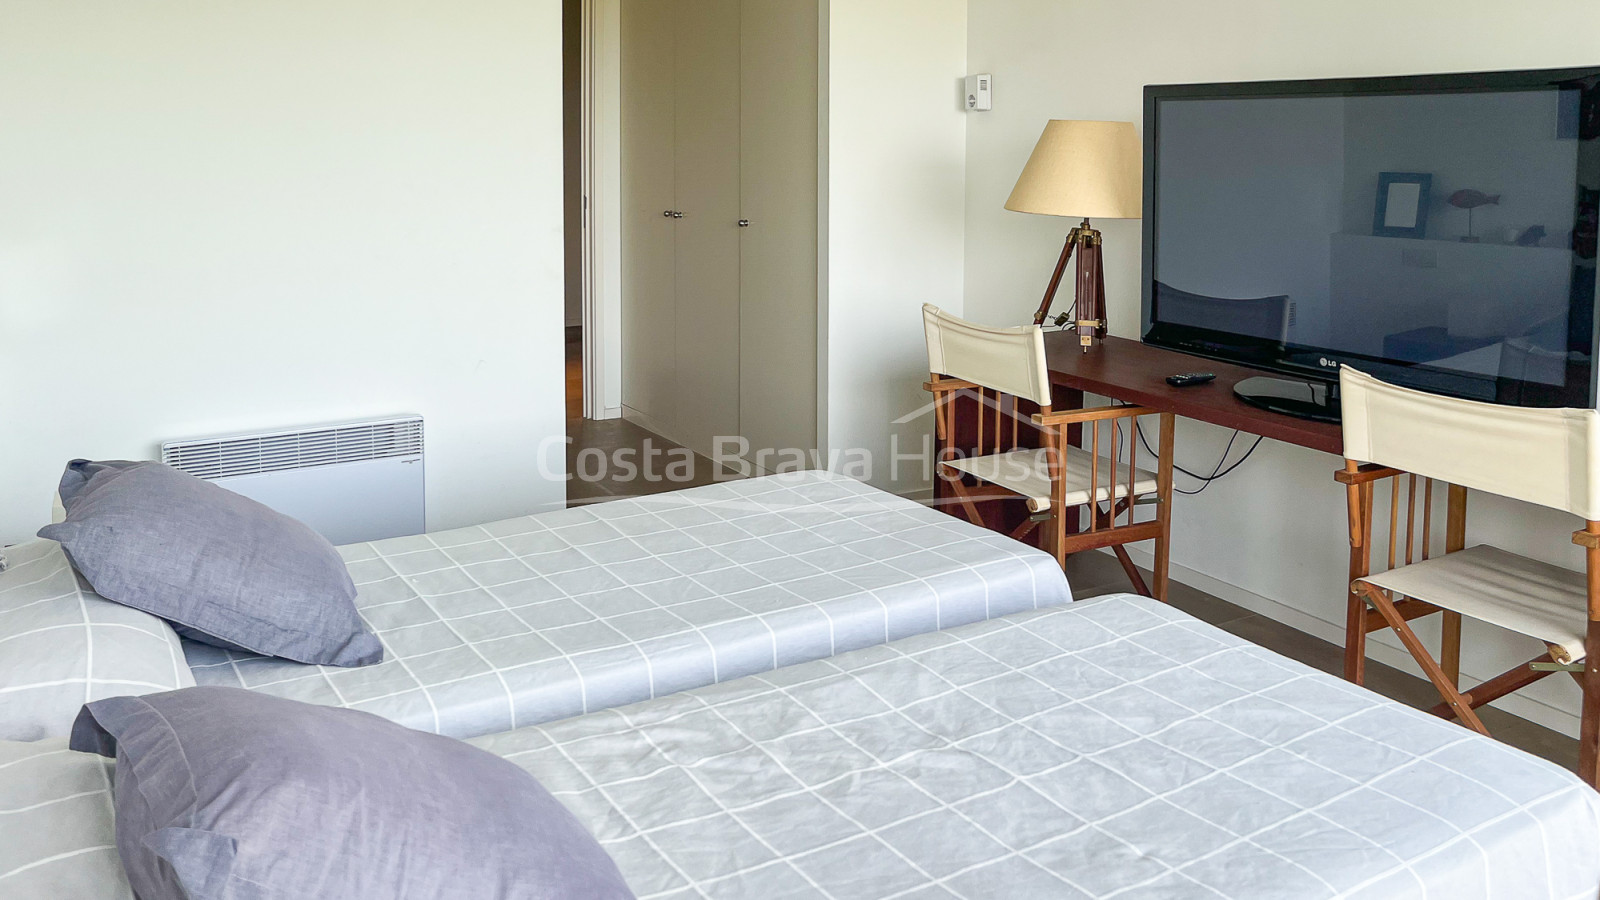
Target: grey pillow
column 227, row 793
column 222, row 568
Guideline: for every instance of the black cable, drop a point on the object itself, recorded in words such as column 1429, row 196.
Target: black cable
column 1236, row 464
column 1216, row 473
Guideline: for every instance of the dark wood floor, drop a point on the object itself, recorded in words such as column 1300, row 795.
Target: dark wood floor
column 614, row 444
column 574, row 373
column 599, row 452
column 1090, row 574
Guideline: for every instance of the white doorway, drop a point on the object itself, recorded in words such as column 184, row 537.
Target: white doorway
column 695, row 326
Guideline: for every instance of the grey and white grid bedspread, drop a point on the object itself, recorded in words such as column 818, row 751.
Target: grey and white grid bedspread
column 519, row 622
column 1115, row 748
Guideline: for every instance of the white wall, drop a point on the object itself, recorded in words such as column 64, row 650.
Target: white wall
column 893, row 229
column 1271, row 535
column 224, row 217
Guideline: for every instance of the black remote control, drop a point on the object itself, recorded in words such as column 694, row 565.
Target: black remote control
column 1190, row 379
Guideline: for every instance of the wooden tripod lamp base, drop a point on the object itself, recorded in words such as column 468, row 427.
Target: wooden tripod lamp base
column 1087, row 170
column 1088, row 315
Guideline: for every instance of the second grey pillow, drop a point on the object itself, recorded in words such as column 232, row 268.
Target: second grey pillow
column 228, row 794
column 222, row 568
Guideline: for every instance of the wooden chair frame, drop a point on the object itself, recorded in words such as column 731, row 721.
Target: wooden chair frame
column 1397, row 612
column 998, row 417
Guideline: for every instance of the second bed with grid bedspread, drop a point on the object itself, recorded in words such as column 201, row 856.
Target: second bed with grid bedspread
column 523, row 621
column 1115, row 748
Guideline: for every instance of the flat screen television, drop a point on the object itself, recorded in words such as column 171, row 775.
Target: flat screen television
column 1435, row 231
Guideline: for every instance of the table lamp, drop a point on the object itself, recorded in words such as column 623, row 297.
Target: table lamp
column 1083, row 170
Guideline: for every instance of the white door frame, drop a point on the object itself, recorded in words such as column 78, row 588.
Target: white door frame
column 602, row 209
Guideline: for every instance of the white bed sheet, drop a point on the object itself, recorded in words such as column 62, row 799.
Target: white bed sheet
column 1114, row 748
column 527, row 620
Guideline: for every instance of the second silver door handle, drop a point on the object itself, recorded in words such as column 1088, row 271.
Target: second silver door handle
column 672, row 213
column 744, row 223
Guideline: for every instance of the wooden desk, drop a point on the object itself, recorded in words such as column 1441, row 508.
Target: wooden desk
column 1134, row 372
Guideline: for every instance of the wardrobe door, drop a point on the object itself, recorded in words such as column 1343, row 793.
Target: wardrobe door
column 649, row 313
column 778, row 249
column 706, row 84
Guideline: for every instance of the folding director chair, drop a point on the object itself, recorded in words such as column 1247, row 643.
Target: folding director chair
column 1002, row 367
column 1550, row 457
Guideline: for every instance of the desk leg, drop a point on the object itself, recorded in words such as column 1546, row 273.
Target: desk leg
column 1064, row 399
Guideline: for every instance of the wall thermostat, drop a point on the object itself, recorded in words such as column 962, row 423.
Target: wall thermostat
column 979, row 94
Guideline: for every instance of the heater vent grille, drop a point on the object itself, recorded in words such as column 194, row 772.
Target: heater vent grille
column 259, row 454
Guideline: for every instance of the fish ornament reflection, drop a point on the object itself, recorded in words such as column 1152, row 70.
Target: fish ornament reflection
column 1469, row 200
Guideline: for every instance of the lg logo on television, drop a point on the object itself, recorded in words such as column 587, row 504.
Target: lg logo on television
column 1328, row 363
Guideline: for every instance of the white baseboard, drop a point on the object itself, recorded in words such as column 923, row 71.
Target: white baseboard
column 611, row 412
column 1529, row 708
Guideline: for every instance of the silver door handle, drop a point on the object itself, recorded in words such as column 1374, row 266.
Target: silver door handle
column 676, row 214
column 744, row 223
column 666, row 213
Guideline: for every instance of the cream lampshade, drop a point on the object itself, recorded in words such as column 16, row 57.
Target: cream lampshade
column 1088, row 170
column 1084, row 170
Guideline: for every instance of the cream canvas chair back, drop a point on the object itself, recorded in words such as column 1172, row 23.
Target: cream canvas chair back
column 1543, row 456
column 1008, row 360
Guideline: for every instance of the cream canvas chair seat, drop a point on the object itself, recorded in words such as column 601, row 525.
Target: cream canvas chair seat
column 1548, row 457
column 1532, row 598
column 1026, row 473
column 1016, row 453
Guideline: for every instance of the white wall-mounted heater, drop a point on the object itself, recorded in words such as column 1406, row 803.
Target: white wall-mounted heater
column 358, row 481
